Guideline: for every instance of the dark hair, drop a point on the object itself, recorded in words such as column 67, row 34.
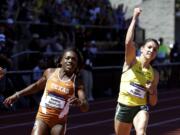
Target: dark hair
column 78, row 53
column 149, row 40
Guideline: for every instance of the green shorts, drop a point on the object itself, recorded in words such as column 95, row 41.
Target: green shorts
column 126, row 113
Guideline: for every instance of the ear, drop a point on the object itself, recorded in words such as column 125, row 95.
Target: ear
column 60, row 63
column 141, row 49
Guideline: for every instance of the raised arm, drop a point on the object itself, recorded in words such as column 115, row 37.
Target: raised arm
column 130, row 50
column 33, row 88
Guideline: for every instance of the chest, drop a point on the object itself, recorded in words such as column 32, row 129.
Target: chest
column 139, row 75
column 59, row 87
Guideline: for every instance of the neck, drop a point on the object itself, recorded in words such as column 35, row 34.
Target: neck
column 64, row 75
column 144, row 62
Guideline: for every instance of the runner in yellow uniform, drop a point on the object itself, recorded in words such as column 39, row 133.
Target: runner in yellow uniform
column 59, row 85
column 138, row 86
column 133, row 85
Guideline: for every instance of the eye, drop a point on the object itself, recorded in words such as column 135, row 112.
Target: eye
column 71, row 58
column 67, row 58
column 155, row 49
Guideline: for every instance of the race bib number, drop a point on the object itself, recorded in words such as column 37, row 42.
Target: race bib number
column 55, row 101
column 136, row 90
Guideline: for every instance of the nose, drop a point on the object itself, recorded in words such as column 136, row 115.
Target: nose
column 152, row 50
column 70, row 60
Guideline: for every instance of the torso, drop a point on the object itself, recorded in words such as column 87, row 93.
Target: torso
column 132, row 87
column 55, row 96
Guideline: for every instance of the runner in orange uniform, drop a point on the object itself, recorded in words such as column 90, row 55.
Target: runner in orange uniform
column 59, row 94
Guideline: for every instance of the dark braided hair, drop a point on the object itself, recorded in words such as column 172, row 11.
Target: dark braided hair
column 79, row 56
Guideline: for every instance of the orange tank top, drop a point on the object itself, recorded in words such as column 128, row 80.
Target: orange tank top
column 54, row 105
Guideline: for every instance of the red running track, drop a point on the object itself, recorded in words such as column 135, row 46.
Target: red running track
column 164, row 118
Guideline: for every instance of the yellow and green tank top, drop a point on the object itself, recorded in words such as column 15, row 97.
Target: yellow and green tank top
column 133, row 82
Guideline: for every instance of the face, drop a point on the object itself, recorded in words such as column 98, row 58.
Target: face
column 149, row 50
column 69, row 62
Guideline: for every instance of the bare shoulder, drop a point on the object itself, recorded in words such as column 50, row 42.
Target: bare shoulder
column 48, row 72
column 127, row 66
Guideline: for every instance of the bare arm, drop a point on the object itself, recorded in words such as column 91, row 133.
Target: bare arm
column 153, row 94
column 81, row 100
column 84, row 106
column 130, row 50
column 31, row 89
column 2, row 72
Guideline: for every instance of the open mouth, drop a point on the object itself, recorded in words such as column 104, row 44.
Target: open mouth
column 149, row 54
column 69, row 66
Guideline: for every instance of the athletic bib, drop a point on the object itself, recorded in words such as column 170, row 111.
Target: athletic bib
column 55, row 101
column 136, row 90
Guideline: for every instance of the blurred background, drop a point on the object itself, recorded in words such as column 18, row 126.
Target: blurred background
column 33, row 33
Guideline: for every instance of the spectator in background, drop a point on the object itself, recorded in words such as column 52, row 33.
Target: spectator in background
column 54, row 43
column 89, row 53
column 175, row 53
column 37, row 73
column 93, row 48
column 163, row 52
column 2, row 73
column 5, row 62
column 35, row 43
column 38, row 70
column 3, row 8
column 175, row 74
column 2, row 42
column 120, row 16
column 37, row 46
column 163, row 58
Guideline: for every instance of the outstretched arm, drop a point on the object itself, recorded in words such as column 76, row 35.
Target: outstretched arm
column 31, row 89
column 130, row 50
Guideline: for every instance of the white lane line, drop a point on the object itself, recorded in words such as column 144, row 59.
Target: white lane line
column 100, row 111
column 113, row 109
column 90, row 124
column 17, row 115
column 93, row 103
column 82, row 114
column 166, row 109
column 17, row 125
column 104, row 121
column 159, row 123
column 93, row 112
column 163, row 122
column 34, row 112
column 111, row 120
